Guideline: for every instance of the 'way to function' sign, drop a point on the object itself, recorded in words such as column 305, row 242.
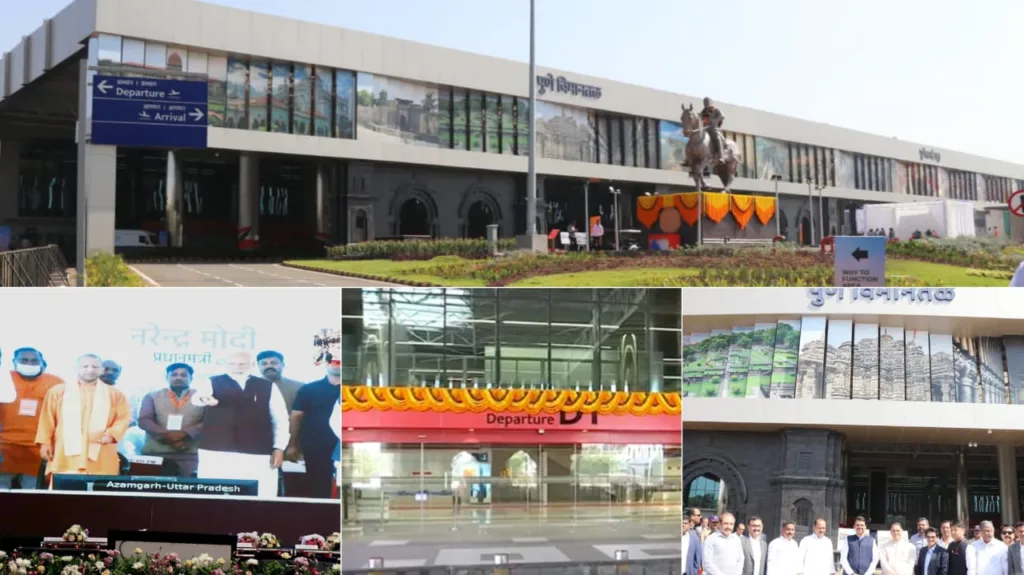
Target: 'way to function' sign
column 860, row 261
column 148, row 112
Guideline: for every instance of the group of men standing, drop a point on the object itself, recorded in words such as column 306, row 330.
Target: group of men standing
column 928, row 552
column 235, row 425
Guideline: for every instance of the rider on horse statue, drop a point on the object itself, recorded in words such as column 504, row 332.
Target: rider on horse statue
column 713, row 119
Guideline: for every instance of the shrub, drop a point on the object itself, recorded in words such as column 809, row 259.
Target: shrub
column 417, row 249
column 815, row 276
column 981, row 253
column 109, row 270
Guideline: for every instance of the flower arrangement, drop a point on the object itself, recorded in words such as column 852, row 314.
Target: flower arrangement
column 76, row 534
column 269, row 541
column 109, row 562
column 334, row 542
column 314, row 540
column 249, row 539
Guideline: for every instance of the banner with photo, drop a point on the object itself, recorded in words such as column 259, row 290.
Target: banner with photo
column 180, row 392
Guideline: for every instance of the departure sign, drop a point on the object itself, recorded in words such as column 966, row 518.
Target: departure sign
column 149, row 112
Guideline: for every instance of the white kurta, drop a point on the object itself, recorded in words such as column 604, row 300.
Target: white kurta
column 898, row 558
column 987, row 558
column 231, row 465
column 817, row 555
column 784, row 557
column 723, row 555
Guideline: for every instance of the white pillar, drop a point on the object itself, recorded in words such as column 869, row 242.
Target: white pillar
column 323, row 204
column 248, row 201
column 1008, row 497
column 97, row 193
column 175, row 219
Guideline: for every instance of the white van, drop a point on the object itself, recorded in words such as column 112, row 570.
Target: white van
column 135, row 239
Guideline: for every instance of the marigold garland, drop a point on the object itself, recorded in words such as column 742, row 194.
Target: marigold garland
column 716, row 205
column 765, row 208
column 647, row 210
column 529, row 401
column 742, row 209
column 687, row 205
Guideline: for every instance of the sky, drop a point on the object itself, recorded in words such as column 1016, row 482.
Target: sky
column 944, row 73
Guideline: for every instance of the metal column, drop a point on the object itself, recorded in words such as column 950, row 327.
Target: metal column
column 1008, row 495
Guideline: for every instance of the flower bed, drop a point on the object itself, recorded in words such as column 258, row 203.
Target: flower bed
column 417, row 249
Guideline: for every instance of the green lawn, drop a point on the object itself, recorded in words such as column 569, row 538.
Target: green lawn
column 934, row 274
column 385, row 269
column 647, row 277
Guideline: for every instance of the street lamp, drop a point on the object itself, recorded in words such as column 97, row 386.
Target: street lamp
column 531, row 176
column 821, row 211
column 778, row 224
column 615, row 206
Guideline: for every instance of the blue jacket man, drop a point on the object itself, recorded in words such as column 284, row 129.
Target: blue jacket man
column 694, row 559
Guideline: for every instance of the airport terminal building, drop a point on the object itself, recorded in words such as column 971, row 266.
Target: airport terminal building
column 309, row 134
column 471, row 393
column 891, row 404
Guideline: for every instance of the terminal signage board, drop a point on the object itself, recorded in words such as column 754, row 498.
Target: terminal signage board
column 512, row 422
column 149, row 112
column 860, row 261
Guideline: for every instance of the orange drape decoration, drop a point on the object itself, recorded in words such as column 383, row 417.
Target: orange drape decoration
column 742, row 210
column 687, row 205
column 530, row 401
column 765, row 208
column 716, row 205
column 647, row 210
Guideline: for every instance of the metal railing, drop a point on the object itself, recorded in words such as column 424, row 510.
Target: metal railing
column 668, row 566
column 34, row 267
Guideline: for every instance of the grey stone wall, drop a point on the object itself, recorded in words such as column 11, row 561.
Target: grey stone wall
column 772, row 475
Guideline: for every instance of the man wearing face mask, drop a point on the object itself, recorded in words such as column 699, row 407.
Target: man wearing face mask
column 245, row 427
column 271, row 366
column 172, row 423
column 19, row 419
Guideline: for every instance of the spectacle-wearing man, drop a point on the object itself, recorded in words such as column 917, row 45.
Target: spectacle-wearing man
column 861, row 554
column 311, row 437
column 784, row 556
column 27, row 386
column 817, row 551
column 173, row 424
column 723, row 552
column 932, row 559
column 82, row 422
column 755, row 548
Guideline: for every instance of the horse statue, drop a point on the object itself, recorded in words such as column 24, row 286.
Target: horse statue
column 698, row 152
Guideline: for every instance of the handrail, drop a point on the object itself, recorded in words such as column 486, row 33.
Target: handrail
column 34, row 267
column 667, row 566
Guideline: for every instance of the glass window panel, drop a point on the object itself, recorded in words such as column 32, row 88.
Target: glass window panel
column 965, row 369
column 410, row 113
column 237, row 92
column 787, row 347
column 508, row 125
column 715, row 360
column 694, row 352
column 259, row 90
column 444, row 117
column 603, row 138
column 772, row 158
column 652, row 143
column 493, row 124
column 302, row 100
column 470, row 339
column 177, row 58
column 839, row 359
column 217, row 90
column 1014, row 348
column 990, row 354
column 892, row 381
column 918, row 370
column 549, row 137
column 865, row 361
column 476, row 121
column 845, row 177
column 524, row 331
column 628, row 141
column 281, row 97
column 794, row 164
column 133, row 53
column 943, row 386
column 749, row 158
column 109, row 50
column 366, row 99
column 198, row 62
column 615, row 123
column 739, row 362
column 460, row 119
column 323, row 102
column 810, row 373
column 523, row 126
column 762, row 353
column 156, row 56
column 586, row 140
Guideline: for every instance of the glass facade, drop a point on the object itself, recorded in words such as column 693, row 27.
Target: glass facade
column 613, row 339
column 818, row 357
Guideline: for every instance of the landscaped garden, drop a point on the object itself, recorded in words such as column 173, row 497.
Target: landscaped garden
column 961, row 262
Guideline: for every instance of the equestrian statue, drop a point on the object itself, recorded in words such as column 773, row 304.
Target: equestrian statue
column 706, row 147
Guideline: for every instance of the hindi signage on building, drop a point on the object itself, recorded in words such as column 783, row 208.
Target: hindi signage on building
column 562, row 85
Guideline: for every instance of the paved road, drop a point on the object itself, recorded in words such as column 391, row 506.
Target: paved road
column 402, row 553
column 243, row 275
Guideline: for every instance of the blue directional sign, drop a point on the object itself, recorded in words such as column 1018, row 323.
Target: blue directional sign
column 149, row 112
column 860, row 261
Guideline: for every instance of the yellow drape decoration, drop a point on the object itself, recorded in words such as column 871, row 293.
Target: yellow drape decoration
column 716, row 205
column 687, row 205
column 765, row 208
column 742, row 210
column 647, row 210
column 529, row 401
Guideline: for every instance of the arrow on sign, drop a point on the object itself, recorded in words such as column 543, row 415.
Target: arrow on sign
column 197, row 114
column 103, row 86
column 859, row 254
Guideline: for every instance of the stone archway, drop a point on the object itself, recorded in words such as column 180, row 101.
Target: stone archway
column 475, row 201
column 412, row 193
column 722, row 468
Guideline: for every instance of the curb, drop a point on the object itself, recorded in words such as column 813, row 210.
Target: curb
column 199, row 260
column 371, row 277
